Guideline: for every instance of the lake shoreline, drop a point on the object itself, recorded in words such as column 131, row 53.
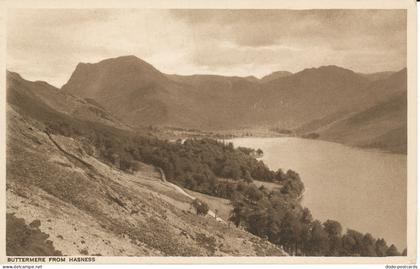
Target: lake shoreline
column 176, row 134
column 343, row 182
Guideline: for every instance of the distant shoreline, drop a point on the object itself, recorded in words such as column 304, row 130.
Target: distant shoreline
column 179, row 133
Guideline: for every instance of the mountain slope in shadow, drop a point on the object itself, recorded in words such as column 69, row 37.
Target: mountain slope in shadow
column 140, row 95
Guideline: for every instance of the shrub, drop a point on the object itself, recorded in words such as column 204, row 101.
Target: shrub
column 27, row 240
column 201, row 207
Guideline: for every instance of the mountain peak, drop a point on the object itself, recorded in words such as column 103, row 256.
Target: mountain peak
column 130, row 69
column 121, row 60
column 13, row 75
column 330, row 71
column 125, row 58
column 276, row 75
column 330, row 68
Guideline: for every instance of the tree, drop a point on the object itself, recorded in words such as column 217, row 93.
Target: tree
column 253, row 193
column 368, row 247
column 126, row 163
column 306, row 221
column 237, row 214
column 352, row 243
column 381, row 247
column 247, row 177
column 290, row 233
column 280, row 175
column 201, row 207
column 318, row 242
column 392, row 251
column 333, row 229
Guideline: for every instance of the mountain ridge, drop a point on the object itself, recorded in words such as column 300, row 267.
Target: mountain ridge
column 140, row 95
column 120, row 81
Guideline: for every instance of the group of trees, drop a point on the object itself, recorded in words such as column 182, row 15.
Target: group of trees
column 197, row 164
column 281, row 219
column 205, row 165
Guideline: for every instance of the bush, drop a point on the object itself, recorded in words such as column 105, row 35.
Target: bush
column 201, row 207
column 27, row 240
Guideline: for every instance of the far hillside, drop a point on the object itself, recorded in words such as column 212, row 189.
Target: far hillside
column 382, row 126
column 140, row 95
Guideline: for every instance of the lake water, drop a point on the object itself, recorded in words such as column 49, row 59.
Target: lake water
column 363, row 189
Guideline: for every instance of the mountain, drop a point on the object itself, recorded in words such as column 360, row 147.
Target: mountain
column 311, row 94
column 65, row 152
column 42, row 99
column 382, row 125
column 140, row 95
column 275, row 75
column 377, row 75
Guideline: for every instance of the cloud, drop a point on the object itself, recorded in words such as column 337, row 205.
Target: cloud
column 48, row 44
column 295, row 39
column 268, row 27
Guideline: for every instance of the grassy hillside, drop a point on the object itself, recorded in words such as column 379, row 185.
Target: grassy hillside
column 31, row 95
column 382, row 126
column 104, row 211
column 96, row 175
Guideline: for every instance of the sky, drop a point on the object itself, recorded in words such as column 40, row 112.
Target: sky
column 47, row 44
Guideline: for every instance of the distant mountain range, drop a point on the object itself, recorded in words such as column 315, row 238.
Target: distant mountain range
column 337, row 104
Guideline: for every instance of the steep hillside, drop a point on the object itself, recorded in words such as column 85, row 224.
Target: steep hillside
column 69, row 202
column 219, row 102
column 214, row 102
column 381, row 125
column 312, row 94
column 137, row 93
column 94, row 175
column 41, row 98
column 140, row 95
column 102, row 210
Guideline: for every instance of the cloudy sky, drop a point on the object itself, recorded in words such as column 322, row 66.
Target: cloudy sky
column 48, row 44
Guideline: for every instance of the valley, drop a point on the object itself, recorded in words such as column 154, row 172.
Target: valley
column 314, row 100
column 124, row 155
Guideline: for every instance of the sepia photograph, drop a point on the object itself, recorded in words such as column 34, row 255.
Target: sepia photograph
column 222, row 132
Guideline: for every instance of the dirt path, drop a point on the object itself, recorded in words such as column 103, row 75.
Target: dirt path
column 70, row 155
column 180, row 190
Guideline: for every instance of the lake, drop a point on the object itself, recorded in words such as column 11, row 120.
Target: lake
column 365, row 190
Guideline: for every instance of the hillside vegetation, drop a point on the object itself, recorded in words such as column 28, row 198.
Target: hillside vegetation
column 92, row 208
column 99, row 178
